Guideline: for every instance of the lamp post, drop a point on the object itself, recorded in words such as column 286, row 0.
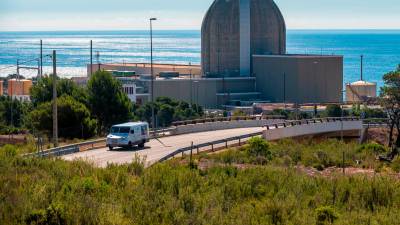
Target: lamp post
column 342, row 114
column 191, row 85
column 152, row 72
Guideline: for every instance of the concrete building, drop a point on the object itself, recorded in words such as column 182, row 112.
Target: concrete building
column 129, row 88
column 233, row 31
column 360, row 91
column 299, row 78
column 244, row 61
column 1, row 88
column 19, row 89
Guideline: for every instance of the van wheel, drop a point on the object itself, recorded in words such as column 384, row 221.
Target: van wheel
column 141, row 145
column 110, row 148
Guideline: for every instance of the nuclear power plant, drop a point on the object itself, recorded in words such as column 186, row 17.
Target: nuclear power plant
column 243, row 61
column 234, row 31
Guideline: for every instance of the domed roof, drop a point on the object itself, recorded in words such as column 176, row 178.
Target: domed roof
column 362, row 83
column 223, row 33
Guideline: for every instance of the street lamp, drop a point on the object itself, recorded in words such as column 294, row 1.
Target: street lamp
column 342, row 114
column 152, row 72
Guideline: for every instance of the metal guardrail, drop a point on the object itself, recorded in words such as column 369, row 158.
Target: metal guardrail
column 68, row 149
column 74, row 148
column 376, row 122
column 225, row 119
column 240, row 138
column 89, row 145
column 309, row 121
column 211, row 145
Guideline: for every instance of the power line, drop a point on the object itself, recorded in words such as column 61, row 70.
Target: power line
column 8, row 67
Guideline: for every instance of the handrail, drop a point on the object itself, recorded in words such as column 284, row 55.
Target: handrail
column 67, row 149
column 276, row 125
column 208, row 144
column 225, row 119
column 309, row 121
column 74, row 148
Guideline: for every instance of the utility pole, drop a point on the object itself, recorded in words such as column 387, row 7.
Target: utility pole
column 362, row 62
column 98, row 60
column 91, row 58
column 152, row 74
column 17, row 70
column 191, row 85
column 41, row 59
column 55, row 116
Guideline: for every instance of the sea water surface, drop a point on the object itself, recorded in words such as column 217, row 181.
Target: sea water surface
column 381, row 49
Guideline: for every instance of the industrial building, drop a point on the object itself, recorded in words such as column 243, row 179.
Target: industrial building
column 1, row 88
column 244, row 61
column 360, row 91
column 19, row 89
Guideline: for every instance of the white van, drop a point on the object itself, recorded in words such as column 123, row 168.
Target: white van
column 128, row 135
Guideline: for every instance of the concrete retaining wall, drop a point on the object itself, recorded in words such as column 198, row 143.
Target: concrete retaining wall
column 312, row 129
column 203, row 127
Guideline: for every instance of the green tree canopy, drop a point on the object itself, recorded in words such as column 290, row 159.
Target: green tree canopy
column 13, row 113
column 167, row 111
column 43, row 91
column 108, row 103
column 334, row 111
column 74, row 119
column 390, row 100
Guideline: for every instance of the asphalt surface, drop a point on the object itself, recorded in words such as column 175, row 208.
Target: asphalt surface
column 156, row 149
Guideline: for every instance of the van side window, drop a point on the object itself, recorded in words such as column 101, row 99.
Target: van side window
column 144, row 130
column 132, row 131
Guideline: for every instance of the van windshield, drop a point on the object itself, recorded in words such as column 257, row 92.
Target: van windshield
column 120, row 130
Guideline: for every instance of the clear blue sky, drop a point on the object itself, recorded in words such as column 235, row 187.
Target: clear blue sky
column 187, row 14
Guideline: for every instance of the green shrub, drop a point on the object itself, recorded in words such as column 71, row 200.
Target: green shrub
column 373, row 148
column 9, row 150
column 326, row 215
column 259, row 147
column 395, row 165
column 53, row 215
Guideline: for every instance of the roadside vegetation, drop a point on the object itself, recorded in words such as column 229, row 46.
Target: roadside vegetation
column 85, row 112
column 268, row 189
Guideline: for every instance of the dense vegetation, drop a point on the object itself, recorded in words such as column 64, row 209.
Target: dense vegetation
column 167, row 111
column 84, row 112
column 51, row 191
column 390, row 100
column 309, row 153
column 13, row 115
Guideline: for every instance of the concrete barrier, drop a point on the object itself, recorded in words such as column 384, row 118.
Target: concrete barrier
column 223, row 125
column 312, row 129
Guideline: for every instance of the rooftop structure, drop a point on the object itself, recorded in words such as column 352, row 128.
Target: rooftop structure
column 145, row 68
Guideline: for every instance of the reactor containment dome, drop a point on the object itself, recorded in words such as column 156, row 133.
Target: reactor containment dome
column 234, row 30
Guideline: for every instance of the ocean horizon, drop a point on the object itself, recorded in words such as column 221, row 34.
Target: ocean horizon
column 381, row 49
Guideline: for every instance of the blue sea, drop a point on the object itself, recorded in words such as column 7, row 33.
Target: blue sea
column 381, row 49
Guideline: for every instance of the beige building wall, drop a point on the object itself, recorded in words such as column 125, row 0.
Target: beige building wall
column 206, row 92
column 19, row 87
column 308, row 78
column 1, row 88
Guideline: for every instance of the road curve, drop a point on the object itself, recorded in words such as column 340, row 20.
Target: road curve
column 156, row 149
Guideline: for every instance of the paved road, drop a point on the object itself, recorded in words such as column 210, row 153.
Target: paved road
column 155, row 150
